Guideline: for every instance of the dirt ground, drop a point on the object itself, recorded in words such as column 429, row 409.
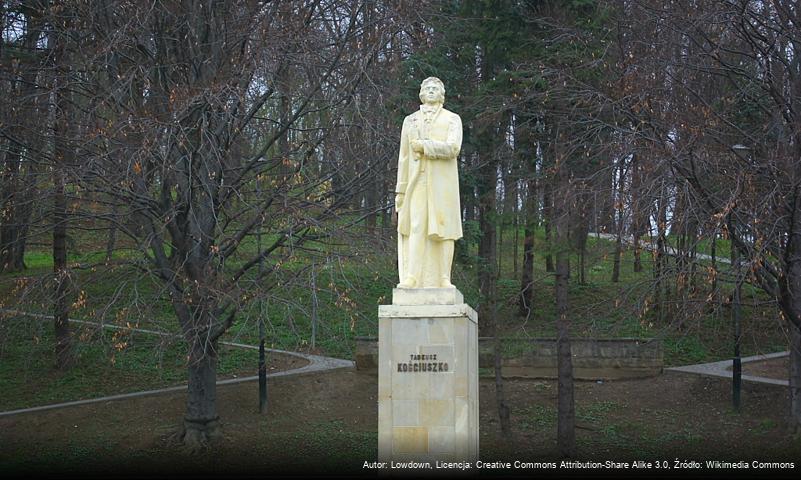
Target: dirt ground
column 326, row 424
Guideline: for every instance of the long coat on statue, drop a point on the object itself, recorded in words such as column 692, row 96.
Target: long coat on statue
column 442, row 140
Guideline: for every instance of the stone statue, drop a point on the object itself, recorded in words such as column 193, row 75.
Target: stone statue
column 427, row 192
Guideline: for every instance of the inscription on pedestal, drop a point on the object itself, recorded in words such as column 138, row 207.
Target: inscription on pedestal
column 428, row 377
column 423, row 363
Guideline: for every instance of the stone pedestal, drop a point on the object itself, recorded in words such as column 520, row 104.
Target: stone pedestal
column 427, row 376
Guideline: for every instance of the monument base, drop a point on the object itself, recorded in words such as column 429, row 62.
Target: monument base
column 427, row 376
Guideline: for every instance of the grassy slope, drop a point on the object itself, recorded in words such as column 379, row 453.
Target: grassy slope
column 349, row 289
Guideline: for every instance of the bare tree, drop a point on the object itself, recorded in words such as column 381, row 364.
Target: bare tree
column 21, row 71
column 728, row 130
column 202, row 125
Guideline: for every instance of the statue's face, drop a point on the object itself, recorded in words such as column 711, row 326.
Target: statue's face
column 431, row 93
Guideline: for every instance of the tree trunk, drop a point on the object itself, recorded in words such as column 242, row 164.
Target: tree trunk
column 18, row 182
column 566, row 413
column 516, row 227
column 678, row 230
column 515, row 242
column 660, row 258
column 201, row 422
column 618, row 216
column 24, row 218
column 527, row 278
column 499, row 249
column 692, row 243
column 9, row 205
column 795, row 378
column 547, row 214
column 714, row 259
column 500, row 396
column 618, row 254
column 487, row 217
column 62, row 155
column 386, row 220
column 488, row 284
column 60, row 304
column 486, row 271
column 790, row 302
column 470, row 196
column 581, row 232
column 509, row 200
column 639, row 215
column 112, row 234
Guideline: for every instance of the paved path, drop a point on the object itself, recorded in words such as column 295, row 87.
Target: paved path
column 317, row 363
column 651, row 246
column 723, row 369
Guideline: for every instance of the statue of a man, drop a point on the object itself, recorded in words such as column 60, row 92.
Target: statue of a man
column 427, row 192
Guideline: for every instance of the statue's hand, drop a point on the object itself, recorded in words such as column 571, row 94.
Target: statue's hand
column 399, row 201
column 417, row 146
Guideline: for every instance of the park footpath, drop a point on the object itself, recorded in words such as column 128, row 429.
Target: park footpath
column 723, row 369
column 316, row 364
column 319, row 364
column 713, row 369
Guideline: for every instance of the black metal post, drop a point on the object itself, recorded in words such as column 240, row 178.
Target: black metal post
column 737, row 368
column 743, row 153
column 262, row 370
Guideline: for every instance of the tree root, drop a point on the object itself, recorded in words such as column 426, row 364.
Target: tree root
column 794, row 429
column 196, row 437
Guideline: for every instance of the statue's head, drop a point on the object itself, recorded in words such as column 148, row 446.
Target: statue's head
column 432, row 91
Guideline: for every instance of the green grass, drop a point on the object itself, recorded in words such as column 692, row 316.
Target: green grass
column 351, row 285
column 766, row 426
column 690, row 328
column 598, row 411
column 105, row 363
column 537, row 417
column 687, row 349
column 704, row 246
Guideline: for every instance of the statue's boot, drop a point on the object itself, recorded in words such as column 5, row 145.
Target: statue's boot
column 409, row 282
